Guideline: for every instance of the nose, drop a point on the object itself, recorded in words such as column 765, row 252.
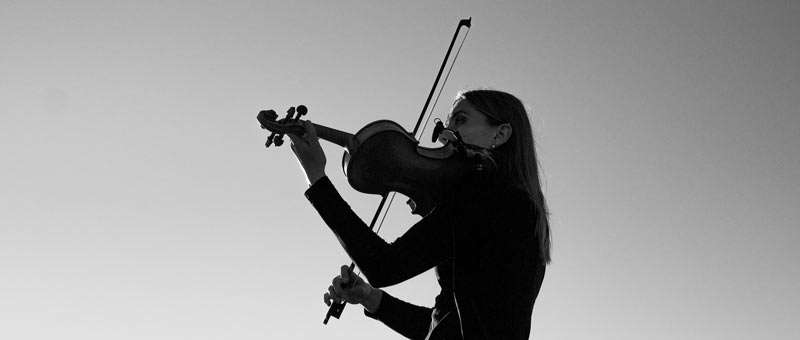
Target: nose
column 447, row 136
column 412, row 204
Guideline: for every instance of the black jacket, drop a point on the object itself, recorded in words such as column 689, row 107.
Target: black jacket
column 481, row 241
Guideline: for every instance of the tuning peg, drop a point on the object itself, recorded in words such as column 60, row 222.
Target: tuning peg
column 301, row 110
column 267, row 115
column 270, row 115
column 289, row 113
column 437, row 130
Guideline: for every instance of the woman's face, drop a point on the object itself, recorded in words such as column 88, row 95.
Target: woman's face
column 472, row 125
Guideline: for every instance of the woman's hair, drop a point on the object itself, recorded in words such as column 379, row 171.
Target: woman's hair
column 516, row 158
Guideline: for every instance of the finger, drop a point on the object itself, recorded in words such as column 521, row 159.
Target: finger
column 311, row 132
column 346, row 279
column 334, row 295
column 332, row 292
column 337, row 284
column 327, row 299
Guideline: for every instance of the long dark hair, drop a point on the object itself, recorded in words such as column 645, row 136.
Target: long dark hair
column 516, row 159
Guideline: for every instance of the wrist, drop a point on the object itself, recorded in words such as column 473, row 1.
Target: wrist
column 373, row 300
column 315, row 176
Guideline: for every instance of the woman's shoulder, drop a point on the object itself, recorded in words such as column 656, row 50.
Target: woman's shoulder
column 496, row 198
column 490, row 195
column 512, row 207
column 507, row 193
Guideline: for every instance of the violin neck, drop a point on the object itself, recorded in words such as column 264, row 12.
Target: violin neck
column 334, row 136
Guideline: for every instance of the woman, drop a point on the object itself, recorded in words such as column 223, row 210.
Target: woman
column 489, row 240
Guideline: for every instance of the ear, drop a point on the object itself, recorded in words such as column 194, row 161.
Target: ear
column 502, row 134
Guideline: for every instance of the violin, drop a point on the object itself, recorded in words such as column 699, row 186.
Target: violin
column 383, row 157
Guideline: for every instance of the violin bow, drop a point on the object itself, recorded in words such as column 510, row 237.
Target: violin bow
column 335, row 310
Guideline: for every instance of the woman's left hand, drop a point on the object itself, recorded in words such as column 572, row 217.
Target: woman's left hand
column 308, row 151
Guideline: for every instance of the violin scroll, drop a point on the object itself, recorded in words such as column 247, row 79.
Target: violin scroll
column 437, row 130
column 268, row 120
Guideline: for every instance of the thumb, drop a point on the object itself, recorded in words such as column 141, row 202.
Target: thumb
column 347, row 276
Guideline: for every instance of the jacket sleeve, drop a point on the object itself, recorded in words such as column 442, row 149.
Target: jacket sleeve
column 409, row 320
column 422, row 247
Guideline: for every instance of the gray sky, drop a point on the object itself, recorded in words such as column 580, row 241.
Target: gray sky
column 138, row 201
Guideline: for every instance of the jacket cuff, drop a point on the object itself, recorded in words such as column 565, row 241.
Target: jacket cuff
column 318, row 189
column 388, row 302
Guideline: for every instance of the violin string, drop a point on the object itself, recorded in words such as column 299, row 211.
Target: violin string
column 447, row 76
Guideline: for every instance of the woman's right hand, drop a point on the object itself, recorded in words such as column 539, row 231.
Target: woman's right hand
column 353, row 289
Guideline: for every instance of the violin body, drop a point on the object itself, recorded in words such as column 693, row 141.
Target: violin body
column 385, row 157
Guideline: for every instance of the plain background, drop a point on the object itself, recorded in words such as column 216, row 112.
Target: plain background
column 138, row 201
